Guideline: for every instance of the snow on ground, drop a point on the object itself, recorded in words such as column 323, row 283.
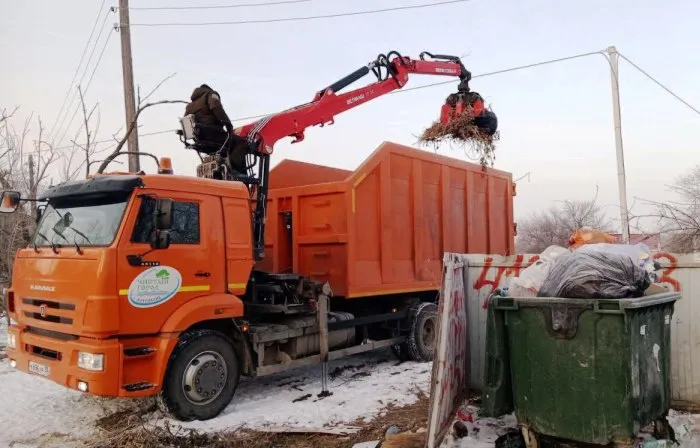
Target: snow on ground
column 368, row 384
column 482, row 433
column 38, row 412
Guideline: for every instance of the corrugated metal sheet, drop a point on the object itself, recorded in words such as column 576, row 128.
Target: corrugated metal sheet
column 485, row 273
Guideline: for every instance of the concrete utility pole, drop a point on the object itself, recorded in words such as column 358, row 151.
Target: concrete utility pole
column 128, row 75
column 621, row 182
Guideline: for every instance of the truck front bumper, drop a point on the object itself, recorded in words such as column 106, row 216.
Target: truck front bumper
column 56, row 359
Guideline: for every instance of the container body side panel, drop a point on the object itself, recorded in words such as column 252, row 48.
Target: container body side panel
column 320, row 238
column 367, row 222
column 400, row 239
column 431, row 224
column 478, row 225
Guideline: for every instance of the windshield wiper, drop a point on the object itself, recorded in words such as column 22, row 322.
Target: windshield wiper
column 77, row 248
column 51, row 243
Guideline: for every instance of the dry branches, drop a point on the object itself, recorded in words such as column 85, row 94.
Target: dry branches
column 463, row 132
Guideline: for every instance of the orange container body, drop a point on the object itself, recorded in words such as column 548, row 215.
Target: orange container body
column 383, row 228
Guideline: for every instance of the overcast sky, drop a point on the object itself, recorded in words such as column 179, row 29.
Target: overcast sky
column 555, row 120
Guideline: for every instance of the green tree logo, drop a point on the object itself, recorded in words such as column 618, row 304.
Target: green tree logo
column 163, row 273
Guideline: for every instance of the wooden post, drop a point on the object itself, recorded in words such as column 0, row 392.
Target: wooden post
column 128, row 80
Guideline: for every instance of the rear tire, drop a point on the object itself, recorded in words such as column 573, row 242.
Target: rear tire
column 422, row 337
column 201, row 377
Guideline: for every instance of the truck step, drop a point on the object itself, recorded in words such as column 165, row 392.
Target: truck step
column 138, row 386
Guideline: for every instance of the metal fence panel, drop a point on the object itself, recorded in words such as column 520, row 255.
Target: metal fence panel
column 450, row 361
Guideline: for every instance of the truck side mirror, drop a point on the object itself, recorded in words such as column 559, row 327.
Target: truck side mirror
column 9, row 201
column 164, row 213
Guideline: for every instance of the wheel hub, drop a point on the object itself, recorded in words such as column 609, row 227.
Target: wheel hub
column 428, row 333
column 204, row 378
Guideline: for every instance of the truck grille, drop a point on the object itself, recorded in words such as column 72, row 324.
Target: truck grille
column 48, row 310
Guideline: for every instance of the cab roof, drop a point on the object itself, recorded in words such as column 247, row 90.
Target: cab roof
column 125, row 183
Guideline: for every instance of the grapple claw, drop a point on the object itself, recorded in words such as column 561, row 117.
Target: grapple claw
column 470, row 103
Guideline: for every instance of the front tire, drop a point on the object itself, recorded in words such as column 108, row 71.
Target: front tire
column 201, row 378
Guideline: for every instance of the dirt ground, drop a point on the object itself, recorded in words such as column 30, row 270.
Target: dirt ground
column 130, row 430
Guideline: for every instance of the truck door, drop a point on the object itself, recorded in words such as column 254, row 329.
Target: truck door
column 192, row 266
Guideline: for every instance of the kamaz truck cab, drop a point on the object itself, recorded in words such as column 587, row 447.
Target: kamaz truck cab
column 109, row 282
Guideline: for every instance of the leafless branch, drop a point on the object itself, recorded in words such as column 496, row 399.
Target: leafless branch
column 142, row 106
column 158, row 86
column 132, row 125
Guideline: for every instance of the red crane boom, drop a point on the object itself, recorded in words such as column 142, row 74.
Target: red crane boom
column 391, row 75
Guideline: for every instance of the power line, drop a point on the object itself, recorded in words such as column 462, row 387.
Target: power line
column 507, row 70
column 77, row 69
column 497, row 72
column 658, row 83
column 87, row 87
column 244, row 5
column 112, row 140
column 87, row 65
column 293, row 19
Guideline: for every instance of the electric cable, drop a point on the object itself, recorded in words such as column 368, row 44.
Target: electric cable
column 77, row 69
column 294, row 19
column 244, row 5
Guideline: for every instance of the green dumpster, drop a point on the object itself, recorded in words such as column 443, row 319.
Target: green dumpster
column 591, row 371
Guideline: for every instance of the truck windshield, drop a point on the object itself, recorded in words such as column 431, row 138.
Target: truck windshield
column 92, row 222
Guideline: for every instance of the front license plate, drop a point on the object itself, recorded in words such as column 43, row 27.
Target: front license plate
column 39, row 369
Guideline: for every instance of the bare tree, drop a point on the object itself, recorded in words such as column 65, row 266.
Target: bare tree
column 679, row 220
column 556, row 224
column 142, row 106
column 82, row 153
column 24, row 167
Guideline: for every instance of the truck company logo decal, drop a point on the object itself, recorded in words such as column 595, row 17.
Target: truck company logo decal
column 154, row 286
column 42, row 288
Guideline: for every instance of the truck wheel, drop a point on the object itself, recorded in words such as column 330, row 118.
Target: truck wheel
column 201, row 377
column 422, row 337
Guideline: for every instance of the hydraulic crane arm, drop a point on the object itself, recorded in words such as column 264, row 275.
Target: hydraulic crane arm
column 392, row 72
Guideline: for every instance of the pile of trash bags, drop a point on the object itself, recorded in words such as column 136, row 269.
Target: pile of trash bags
column 592, row 267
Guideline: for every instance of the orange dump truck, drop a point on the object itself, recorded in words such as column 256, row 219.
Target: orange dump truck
column 139, row 285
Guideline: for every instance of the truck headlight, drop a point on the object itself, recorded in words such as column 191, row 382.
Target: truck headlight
column 91, row 361
column 12, row 340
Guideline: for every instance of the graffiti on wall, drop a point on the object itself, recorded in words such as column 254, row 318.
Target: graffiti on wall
column 449, row 370
column 491, row 276
column 666, row 272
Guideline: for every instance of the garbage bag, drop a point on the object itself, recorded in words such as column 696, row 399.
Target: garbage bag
column 589, row 236
column 530, row 280
column 639, row 253
column 594, row 275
